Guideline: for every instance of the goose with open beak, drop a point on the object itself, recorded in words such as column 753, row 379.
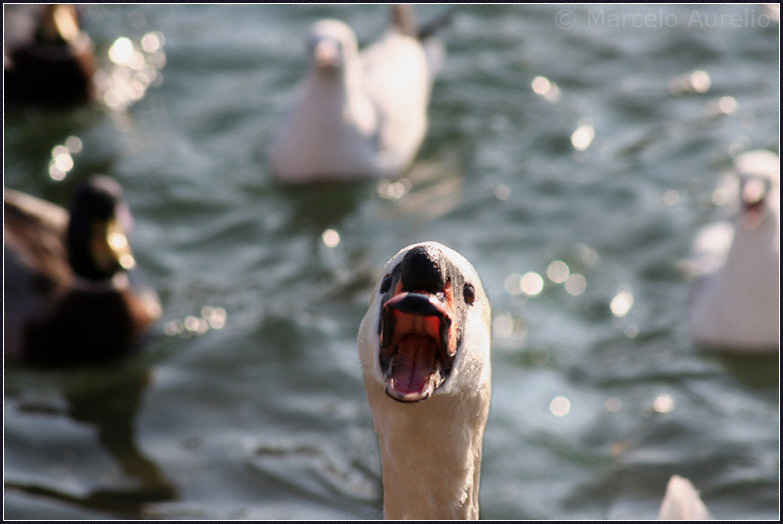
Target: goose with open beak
column 424, row 347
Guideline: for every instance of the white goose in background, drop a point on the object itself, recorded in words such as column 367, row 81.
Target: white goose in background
column 735, row 303
column 357, row 115
column 424, row 347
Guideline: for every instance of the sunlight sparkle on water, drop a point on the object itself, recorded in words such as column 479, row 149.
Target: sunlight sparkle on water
column 663, row 403
column 697, row 81
column 558, row 271
column 211, row 318
column 613, row 404
column 127, row 261
column 74, row 144
column 560, row 406
column 135, row 68
column 394, row 190
column 216, row 316
column 700, row 80
column 575, row 284
column 671, row 197
column 544, row 87
column 727, row 105
column 502, row 192
column 582, row 137
column 62, row 161
column 531, row 283
column 153, row 41
column 121, row 51
column 621, row 303
column 503, row 325
column 330, row 238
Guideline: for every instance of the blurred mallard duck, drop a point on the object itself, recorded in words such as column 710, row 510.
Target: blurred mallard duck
column 68, row 298
column 47, row 58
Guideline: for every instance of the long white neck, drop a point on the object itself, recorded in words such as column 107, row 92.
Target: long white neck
column 430, row 453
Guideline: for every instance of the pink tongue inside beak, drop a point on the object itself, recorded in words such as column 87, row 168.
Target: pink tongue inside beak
column 414, row 370
column 415, row 345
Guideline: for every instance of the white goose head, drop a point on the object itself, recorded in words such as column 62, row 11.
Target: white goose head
column 759, row 179
column 424, row 347
column 331, row 47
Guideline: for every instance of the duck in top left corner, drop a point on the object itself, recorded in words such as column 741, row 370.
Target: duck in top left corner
column 67, row 295
column 47, row 59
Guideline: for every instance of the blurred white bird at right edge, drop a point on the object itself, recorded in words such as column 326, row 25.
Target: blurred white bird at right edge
column 735, row 300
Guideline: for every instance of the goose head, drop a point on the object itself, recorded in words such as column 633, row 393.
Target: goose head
column 426, row 331
column 331, row 47
column 96, row 238
column 424, row 347
column 759, row 179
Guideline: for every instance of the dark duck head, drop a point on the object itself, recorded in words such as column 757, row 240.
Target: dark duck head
column 97, row 241
column 53, row 65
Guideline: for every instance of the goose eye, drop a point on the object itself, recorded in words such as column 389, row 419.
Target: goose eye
column 469, row 293
column 386, row 284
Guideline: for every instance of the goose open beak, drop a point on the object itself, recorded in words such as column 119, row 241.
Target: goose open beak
column 417, row 343
column 754, row 193
column 326, row 54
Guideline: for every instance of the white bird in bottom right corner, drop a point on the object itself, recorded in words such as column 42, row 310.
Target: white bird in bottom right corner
column 735, row 303
column 682, row 502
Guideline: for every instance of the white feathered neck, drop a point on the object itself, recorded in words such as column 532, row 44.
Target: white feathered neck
column 431, row 450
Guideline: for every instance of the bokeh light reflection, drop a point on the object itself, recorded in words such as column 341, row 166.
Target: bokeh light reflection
column 531, row 283
column 575, row 284
column 560, row 406
column 622, row 303
column 558, row 271
column 210, row 318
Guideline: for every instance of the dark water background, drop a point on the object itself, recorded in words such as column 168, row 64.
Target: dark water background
column 591, row 136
